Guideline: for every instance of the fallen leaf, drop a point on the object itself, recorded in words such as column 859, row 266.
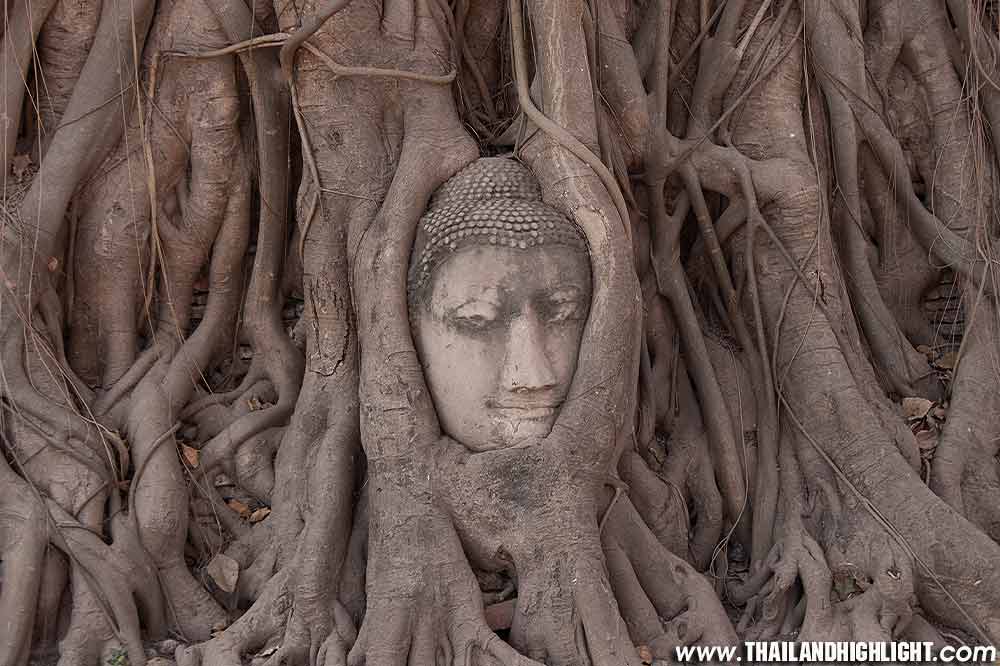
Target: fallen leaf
column 916, row 408
column 927, row 440
column 218, row 628
column 239, row 507
column 267, row 652
column 948, row 361
column 191, row 455
column 260, row 514
column 645, row 654
column 225, row 571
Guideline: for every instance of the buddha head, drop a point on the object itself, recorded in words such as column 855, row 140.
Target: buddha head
column 499, row 293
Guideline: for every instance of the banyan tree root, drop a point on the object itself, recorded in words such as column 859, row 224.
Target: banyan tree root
column 158, row 494
column 567, row 607
column 775, row 111
column 23, row 540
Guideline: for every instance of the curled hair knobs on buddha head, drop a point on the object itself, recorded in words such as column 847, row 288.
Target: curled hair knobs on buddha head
column 493, row 201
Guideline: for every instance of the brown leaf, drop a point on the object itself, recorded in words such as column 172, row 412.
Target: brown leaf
column 53, row 264
column 948, row 361
column 645, row 654
column 239, row 507
column 225, row 571
column 927, row 440
column 260, row 514
column 916, row 408
column 191, row 455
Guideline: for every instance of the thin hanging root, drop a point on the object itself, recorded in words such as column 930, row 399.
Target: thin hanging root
column 677, row 160
column 717, row 418
column 55, row 422
column 276, row 39
column 672, row 283
column 768, row 484
column 20, row 32
column 307, row 29
column 765, row 493
column 310, row 158
column 461, row 13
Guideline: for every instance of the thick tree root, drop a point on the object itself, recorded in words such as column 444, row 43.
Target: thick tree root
column 664, row 601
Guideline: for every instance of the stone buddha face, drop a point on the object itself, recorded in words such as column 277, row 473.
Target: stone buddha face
column 498, row 311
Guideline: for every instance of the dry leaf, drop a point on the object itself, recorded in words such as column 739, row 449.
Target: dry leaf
column 926, row 439
column 218, row 628
column 53, row 264
column 916, row 408
column 225, row 571
column 645, row 654
column 191, row 455
column 260, row 514
column 239, row 507
column 948, row 361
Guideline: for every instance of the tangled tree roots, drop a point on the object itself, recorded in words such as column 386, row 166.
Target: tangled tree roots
column 219, row 445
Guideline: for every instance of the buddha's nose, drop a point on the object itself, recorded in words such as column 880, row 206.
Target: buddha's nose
column 526, row 366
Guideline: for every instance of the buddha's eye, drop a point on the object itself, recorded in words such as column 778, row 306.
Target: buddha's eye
column 565, row 306
column 473, row 316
